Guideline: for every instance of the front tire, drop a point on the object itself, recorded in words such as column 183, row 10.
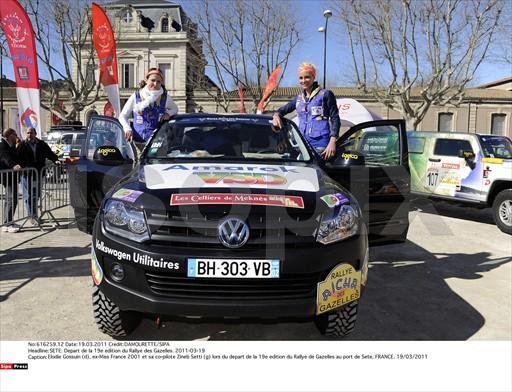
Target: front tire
column 109, row 318
column 338, row 323
column 502, row 210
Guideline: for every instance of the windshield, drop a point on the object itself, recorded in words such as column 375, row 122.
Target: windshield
column 226, row 137
column 496, row 147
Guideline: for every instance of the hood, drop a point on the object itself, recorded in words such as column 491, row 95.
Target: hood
column 298, row 189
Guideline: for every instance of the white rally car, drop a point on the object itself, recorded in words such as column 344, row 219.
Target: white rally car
column 463, row 167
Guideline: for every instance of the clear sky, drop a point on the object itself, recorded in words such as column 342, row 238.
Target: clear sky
column 339, row 61
column 311, row 49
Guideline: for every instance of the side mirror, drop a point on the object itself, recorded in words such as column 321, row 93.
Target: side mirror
column 109, row 155
column 469, row 156
column 349, row 158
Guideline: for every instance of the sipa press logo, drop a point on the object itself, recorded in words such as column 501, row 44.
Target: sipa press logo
column 13, row 366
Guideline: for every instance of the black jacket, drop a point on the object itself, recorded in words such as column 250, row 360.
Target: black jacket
column 43, row 152
column 8, row 159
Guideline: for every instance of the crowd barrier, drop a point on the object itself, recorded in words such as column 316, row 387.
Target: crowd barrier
column 55, row 190
column 49, row 190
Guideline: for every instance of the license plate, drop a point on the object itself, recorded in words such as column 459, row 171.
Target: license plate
column 233, row 268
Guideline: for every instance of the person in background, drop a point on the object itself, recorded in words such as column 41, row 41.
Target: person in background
column 9, row 161
column 319, row 119
column 33, row 152
column 147, row 106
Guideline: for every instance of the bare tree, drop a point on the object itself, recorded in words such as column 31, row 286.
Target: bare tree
column 501, row 52
column 430, row 49
column 63, row 33
column 244, row 40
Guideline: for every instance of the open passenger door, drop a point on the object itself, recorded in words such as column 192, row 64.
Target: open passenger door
column 372, row 162
column 104, row 159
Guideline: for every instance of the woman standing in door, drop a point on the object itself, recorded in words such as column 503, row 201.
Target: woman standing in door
column 319, row 119
column 147, row 106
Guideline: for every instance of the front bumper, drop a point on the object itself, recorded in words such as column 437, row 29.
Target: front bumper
column 155, row 278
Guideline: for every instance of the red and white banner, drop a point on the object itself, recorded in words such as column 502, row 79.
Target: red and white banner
column 105, row 45
column 19, row 34
column 241, row 93
column 269, row 88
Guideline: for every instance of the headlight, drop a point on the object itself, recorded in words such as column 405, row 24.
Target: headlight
column 342, row 224
column 123, row 220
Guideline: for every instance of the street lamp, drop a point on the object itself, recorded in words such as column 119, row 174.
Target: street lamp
column 327, row 15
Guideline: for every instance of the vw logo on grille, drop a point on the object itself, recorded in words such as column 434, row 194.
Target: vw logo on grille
column 233, row 232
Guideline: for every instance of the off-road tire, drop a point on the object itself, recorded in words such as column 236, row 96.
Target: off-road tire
column 502, row 201
column 338, row 323
column 109, row 318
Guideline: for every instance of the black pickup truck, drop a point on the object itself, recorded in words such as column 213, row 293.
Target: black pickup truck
column 225, row 216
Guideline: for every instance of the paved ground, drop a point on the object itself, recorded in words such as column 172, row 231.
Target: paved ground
column 452, row 280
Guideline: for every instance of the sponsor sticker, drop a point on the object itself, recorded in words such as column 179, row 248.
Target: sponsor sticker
column 334, row 200
column 127, row 195
column 106, row 151
column 162, row 176
column 96, row 271
column 493, row 160
column 448, row 165
column 445, row 179
column 237, row 198
column 347, row 155
column 137, row 258
column 342, row 285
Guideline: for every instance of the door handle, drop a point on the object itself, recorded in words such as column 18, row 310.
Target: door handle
column 434, row 159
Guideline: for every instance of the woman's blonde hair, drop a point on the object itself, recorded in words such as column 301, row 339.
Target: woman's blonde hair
column 309, row 68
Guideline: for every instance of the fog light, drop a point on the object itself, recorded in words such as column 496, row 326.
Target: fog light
column 117, row 272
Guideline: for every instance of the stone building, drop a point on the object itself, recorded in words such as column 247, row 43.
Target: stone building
column 154, row 33
column 484, row 109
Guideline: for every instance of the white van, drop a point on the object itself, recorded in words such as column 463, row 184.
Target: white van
column 464, row 167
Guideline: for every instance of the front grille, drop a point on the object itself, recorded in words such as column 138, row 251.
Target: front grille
column 199, row 230
column 286, row 287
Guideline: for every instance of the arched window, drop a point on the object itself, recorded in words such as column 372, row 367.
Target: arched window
column 165, row 25
column 128, row 18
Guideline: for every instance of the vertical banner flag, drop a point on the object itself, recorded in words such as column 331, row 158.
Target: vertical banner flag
column 241, row 92
column 105, row 45
column 17, row 29
column 271, row 85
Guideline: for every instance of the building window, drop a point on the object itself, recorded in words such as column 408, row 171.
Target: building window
column 128, row 18
column 127, row 72
column 165, row 25
column 498, row 124
column 166, row 71
column 444, row 123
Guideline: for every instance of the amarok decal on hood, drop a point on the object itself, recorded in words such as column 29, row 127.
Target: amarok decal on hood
column 282, row 177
